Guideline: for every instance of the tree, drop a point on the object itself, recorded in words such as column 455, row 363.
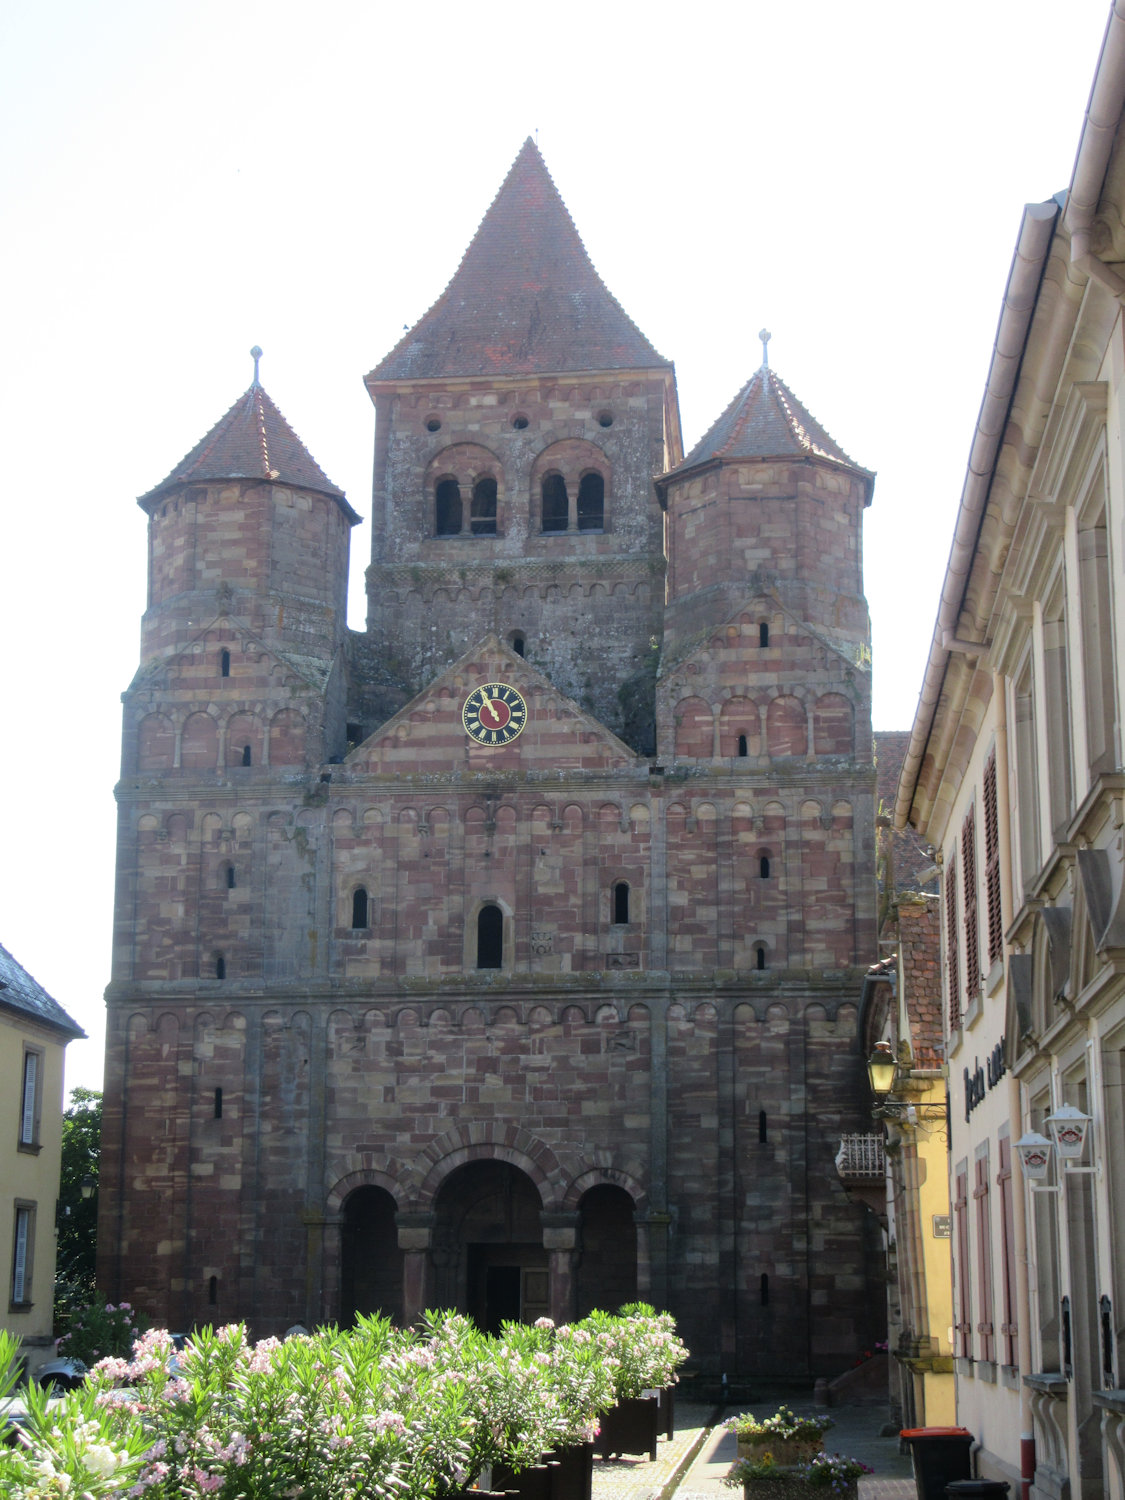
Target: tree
column 78, row 1215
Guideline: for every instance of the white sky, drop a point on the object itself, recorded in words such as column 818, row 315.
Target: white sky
column 181, row 180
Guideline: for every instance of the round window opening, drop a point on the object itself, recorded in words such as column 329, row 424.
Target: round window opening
column 519, row 421
column 433, row 424
column 605, row 419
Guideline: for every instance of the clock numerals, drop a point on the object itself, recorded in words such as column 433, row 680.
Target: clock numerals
column 494, row 714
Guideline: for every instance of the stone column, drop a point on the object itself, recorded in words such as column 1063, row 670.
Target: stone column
column 414, row 1240
column 560, row 1240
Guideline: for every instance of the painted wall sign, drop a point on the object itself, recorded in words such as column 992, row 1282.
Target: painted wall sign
column 983, row 1080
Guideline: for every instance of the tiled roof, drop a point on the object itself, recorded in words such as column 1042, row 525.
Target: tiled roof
column 252, row 441
column 765, row 420
column 19, row 992
column 525, row 299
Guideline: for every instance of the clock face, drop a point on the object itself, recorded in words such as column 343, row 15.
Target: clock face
column 494, row 714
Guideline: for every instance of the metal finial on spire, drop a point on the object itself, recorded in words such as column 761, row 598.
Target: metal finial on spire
column 255, row 355
column 764, row 335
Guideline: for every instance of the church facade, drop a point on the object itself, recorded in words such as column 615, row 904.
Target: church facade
column 506, row 955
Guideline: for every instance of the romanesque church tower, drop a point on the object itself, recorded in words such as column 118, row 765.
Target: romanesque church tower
column 506, row 955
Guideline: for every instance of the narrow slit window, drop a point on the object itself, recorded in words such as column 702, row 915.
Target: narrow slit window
column 224, row 663
column 760, row 956
column 591, row 503
column 230, row 877
column 246, row 755
column 764, row 867
column 763, row 1134
column 763, row 634
column 743, row 749
column 621, row 903
column 213, row 1291
column 220, row 966
column 447, row 508
column 556, row 505
column 218, row 1104
column 360, row 907
column 490, row 938
column 482, row 520
column 764, row 1290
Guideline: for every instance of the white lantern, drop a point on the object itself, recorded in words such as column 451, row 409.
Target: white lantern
column 1035, row 1152
column 1068, row 1127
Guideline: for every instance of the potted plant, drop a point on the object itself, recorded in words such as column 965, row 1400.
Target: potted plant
column 790, row 1438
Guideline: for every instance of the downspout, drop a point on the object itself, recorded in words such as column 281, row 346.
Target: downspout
column 1099, row 129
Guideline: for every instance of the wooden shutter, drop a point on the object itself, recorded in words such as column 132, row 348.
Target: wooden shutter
column 962, row 1310
column 27, row 1102
column 992, row 863
column 969, row 898
column 952, row 952
column 1009, row 1330
column 985, row 1326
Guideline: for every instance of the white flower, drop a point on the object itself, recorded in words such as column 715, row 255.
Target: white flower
column 100, row 1459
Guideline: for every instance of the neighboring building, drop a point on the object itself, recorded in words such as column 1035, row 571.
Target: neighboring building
column 1015, row 773
column 900, row 1171
column 507, row 955
column 34, row 1031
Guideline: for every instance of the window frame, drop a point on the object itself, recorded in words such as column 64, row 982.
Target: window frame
column 27, row 1131
column 20, row 1279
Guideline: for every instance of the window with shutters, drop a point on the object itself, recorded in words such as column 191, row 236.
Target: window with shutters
column 31, row 1094
column 23, row 1256
column 969, row 898
column 952, row 950
column 985, row 1326
column 1009, row 1330
column 962, row 1306
column 992, row 863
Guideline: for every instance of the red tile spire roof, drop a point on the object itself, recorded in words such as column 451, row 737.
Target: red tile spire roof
column 525, row 299
column 252, row 441
column 765, row 420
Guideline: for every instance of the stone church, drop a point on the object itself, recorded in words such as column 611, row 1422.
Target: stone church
column 507, row 955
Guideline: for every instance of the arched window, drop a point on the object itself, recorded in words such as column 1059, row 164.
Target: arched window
column 220, row 966
column 519, row 644
column 760, row 955
column 246, row 757
column 228, row 877
column 490, row 938
column 224, row 663
column 763, row 634
column 591, row 503
column 621, row 903
column 742, row 748
column 482, row 519
column 360, row 907
column 555, row 503
column 764, row 866
column 213, row 1291
column 447, row 508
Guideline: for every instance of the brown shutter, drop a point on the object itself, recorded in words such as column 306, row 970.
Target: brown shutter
column 969, row 880
column 1009, row 1331
column 952, row 952
column 992, row 863
column 985, row 1326
column 962, row 1312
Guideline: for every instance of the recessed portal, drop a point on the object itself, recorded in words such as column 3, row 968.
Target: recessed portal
column 489, row 1259
column 370, row 1260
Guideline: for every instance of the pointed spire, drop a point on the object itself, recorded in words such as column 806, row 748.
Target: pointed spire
column 524, row 300
column 766, row 420
column 256, row 356
column 765, row 338
column 252, row 441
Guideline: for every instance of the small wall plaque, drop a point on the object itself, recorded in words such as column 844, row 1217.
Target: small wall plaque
column 942, row 1229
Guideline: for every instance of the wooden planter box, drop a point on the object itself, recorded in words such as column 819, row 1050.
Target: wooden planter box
column 792, row 1487
column 533, row 1483
column 632, row 1426
column 668, row 1411
column 572, row 1472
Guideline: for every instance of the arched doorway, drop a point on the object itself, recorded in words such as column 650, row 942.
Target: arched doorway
column 607, row 1265
column 370, row 1260
column 488, row 1253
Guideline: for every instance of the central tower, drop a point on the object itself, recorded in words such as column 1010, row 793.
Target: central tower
column 519, row 427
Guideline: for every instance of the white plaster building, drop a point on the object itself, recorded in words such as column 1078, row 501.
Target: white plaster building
column 1016, row 773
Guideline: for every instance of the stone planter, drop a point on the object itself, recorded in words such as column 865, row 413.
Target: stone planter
column 784, row 1450
column 632, row 1426
column 784, row 1486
